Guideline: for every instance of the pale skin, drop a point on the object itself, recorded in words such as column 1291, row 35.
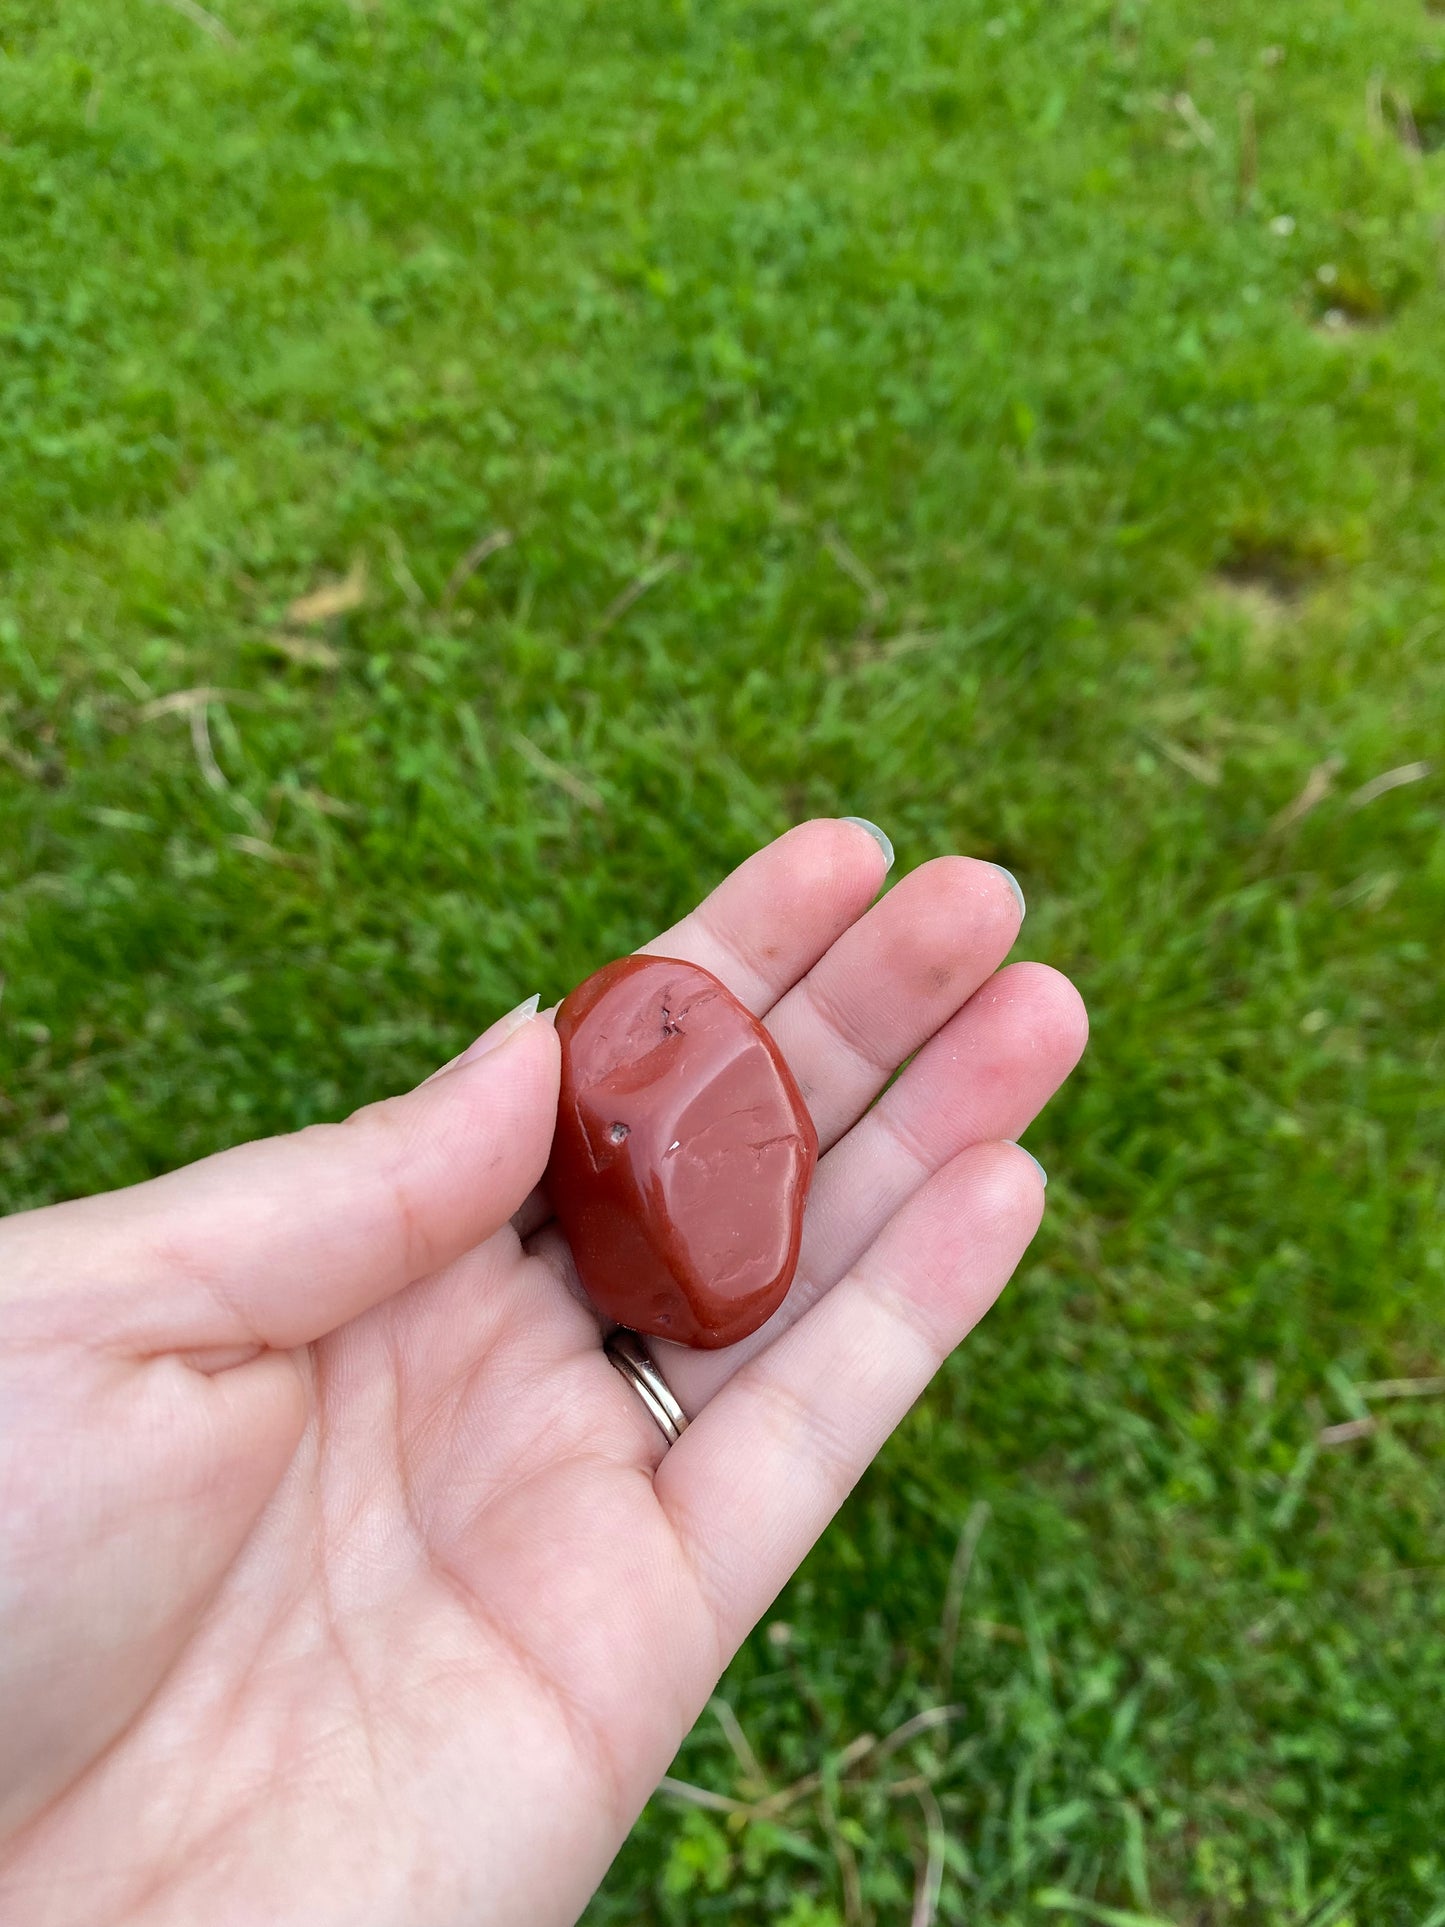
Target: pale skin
column 343, row 1579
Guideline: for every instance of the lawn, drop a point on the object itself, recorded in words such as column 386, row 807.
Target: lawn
column 469, row 473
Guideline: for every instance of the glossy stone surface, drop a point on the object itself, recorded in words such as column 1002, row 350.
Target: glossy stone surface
column 683, row 1153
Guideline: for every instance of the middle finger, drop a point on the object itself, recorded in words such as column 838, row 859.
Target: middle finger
column 890, row 981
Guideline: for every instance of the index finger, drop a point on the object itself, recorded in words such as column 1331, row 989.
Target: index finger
column 769, row 922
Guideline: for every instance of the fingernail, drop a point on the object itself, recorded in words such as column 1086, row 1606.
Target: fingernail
column 499, row 1032
column 1043, row 1174
column 1013, row 883
column 879, row 838
column 493, row 1035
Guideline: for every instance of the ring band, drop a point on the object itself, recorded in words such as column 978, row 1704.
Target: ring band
column 631, row 1357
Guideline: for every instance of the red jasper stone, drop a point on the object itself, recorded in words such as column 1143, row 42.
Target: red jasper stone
column 683, row 1153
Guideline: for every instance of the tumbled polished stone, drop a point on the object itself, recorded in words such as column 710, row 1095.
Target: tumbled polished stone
column 682, row 1156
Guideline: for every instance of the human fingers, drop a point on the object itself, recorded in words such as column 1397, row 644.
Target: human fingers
column 277, row 1242
column 890, row 981
column 983, row 1077
column 768, row 923
column 755, row 1478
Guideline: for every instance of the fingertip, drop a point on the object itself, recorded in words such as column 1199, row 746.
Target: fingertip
column 1058, row 1013
column 495, row 1035
column 771, row 919
column 522, row 1049
column 1043, row 1175
column 880, row 837
column 835, row 861
column 1015, row 887
column 473, row 1142
column 1004, row 894
column 970, row 893
column 1006, row 1185
column 975, row 1215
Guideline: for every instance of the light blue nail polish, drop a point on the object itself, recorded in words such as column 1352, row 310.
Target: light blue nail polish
column 1043, row 1174
column 1013, row 883
column 879, row 838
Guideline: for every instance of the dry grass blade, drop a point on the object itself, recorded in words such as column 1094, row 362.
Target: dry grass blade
column 324, row 805
column 141, row 690
column 1189, row 760
column 856, row 571
column 755, row 1780
column 634, row 592
column 401, row 573
column 1403, row 1388
column 930, row 1884
column 854, row 1911
column 903, row 644
column 1056, row 1900
column 774, row 1804
column 207, row 22
column 214, row 776
column 866, row 1746
column 1405, row 122
column 20, row 760
column 701, row 1796
column 309, row 652
column 268, row 853
column 467, row 566
column 779, row 1802
column 181, row 702
column 1375, row 105
column 1374, row 890
column 565, row 779
column 995, row 1629
column 863, row 651
column 1390, row 779
column 200, row 718
column 928, row 1721
column 854, row 1751
column 1318, row 784
column 857, row 1749
column 1198, row 126
column 1350, row 1430
column 331, row 599
column 958, row 1572
column 110, row 819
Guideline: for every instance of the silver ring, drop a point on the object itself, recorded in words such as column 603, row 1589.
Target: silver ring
column 631, row 1357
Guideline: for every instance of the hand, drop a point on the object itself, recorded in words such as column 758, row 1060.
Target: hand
column 344, row 1579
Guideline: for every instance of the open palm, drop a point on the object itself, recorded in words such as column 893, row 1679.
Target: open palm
column 344, row 1579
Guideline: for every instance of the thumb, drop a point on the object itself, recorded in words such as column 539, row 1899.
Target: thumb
column 277, row 1242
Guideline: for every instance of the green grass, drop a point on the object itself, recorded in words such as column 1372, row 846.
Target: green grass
column 1024, row 424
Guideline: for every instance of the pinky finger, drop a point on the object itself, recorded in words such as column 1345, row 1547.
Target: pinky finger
column 763, row 1468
